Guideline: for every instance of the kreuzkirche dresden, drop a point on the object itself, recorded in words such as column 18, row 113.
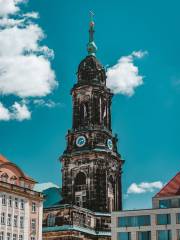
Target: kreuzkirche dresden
column 91, row 164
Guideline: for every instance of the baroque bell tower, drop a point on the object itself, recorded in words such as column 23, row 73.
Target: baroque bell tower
column 91, row 164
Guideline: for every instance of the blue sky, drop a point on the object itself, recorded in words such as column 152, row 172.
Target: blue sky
column 147, row 123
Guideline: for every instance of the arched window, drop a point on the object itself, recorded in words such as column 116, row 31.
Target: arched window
column 104, row 116
column 111, row 193
column 4, row 177
column 80, row 189
column 96, row 110
column 13, row 180
column 84, row 113
column 22, row 183
column 80, row 179
column 51, row 220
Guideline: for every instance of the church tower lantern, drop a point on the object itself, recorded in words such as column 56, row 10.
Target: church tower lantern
column 91, row 164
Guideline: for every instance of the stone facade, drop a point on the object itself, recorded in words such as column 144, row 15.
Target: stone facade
column 20, row 207
column 96, row 160
column 67, row 221
column 153, row 228
column 91, row 164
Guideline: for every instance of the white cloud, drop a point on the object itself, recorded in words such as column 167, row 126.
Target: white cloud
column 43, row 103
column 4, row 113
column 26, row 76
column 20, row 112
column 123, row 77
column 9, row 6
column 10, row 22
column 31, row 15
column 139, row 54
column 25, row 69
column 16, row 41
column 144, row 187
column 25, row 64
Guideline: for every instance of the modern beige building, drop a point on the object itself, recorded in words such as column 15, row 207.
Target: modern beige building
column 162, row 222
column 20, row 207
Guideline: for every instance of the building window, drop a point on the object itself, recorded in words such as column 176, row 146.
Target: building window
column 166, row 203
column 4, row 200
column 22, row 204
column 9, row 219
column 51, row 220
column 2, row 236
column 16, row 202
column 8, row 236
column 124, row 236
column 22, row 184
column 13, row 180
column 14, row 236
column 178, row 234
column 134, row 221
column 21, row 237
column 77, row 200
column 178, row 218
column 144, row 220
column 169, row 203
column 2, row 218
column 88, row 221
column 124, row 221
column 80, row 181
column 163, row 219
column 33, row 207
column 163, row 235
column 33, row 224
column 144, row 235
column 4, row 177
column 10, row 201
column 21, row 222
column 26, row 185
column 15, row 220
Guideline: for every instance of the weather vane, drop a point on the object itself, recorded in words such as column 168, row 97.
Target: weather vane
column 91, row 46
column 91, row 15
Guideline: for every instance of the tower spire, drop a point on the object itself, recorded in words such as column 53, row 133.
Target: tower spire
column 91, row 46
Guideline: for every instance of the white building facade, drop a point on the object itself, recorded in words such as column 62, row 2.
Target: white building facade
column 162, row 222
column 156, row 224
column 21, row 208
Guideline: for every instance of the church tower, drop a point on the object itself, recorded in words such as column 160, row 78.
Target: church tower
column 91, row 164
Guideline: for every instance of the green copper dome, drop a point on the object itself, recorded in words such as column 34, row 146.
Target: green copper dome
column 92, row 48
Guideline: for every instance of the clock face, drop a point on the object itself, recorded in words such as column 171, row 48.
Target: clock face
column 110, row 144
column 80, row 141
